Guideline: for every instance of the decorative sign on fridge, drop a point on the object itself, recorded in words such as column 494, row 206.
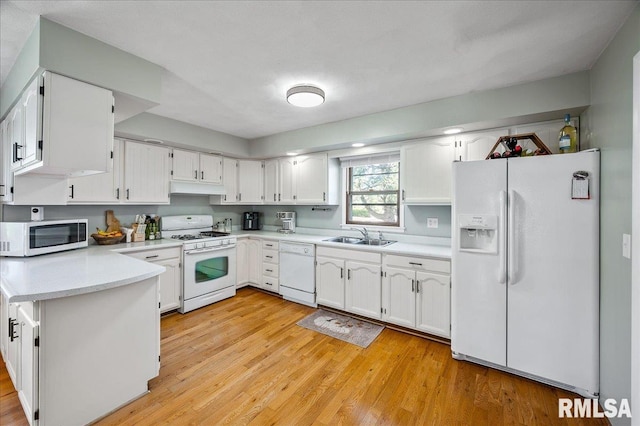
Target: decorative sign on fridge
column 580, row 186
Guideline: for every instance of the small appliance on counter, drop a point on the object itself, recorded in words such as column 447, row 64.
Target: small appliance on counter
column 288, row 220
column 23, row 239
column 250, row 221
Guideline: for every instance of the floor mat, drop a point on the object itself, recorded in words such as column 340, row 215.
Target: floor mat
column 351, row 330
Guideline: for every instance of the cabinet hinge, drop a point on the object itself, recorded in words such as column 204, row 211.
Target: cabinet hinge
column 42, row 90
column 36, row 342
column 36, row 415
column 40, row 145
column 113, row 109
column 111, row 154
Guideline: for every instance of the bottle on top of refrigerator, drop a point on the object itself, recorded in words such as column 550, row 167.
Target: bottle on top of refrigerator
column 568, row 138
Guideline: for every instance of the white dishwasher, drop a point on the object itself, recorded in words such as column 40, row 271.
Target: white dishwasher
column 297, row 273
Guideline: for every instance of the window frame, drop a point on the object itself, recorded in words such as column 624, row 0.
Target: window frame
column 348, row 201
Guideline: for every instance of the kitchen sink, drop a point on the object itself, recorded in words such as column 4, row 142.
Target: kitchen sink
column 346, row 240
column 360, row 241
column 380, row 243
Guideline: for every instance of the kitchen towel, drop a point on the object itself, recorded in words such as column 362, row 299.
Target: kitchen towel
column 350, row 330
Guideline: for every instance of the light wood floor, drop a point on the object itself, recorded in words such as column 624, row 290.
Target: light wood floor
column 245, row 361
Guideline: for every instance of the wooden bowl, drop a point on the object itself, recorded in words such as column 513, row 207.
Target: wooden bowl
column 105, row 240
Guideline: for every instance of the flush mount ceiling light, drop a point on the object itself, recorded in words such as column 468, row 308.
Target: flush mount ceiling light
column 305, row 96
column 453, row 131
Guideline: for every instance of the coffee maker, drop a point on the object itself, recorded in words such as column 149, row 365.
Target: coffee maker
column 288, row 220
column 250, row 221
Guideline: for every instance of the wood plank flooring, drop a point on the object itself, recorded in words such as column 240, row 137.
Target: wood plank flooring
column 245, row 361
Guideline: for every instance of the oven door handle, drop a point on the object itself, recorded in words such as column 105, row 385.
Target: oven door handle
column 209, row 249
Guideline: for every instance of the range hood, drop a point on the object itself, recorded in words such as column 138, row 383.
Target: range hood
column 197, row 188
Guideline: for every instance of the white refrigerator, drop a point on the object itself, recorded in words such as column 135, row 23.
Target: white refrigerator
column 525, row 267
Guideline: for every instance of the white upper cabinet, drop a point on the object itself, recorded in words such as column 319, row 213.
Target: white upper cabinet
column 196, row 167
column 15, row 135
column 477, row 145
column 146, row 173
column 425, row 171
column 6, row 175
column 250, row 184
column 286, row 194
column 311, row 179
column 210, row 168
column 185, row 165
column 67, row 127
column 271, row 181
column 102, row 188
column 230, row 181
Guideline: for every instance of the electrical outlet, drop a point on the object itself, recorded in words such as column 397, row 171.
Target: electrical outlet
column 432, row 222
column 626, row 245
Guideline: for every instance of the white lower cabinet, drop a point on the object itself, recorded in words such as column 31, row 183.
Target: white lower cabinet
column 416, row 293
column 59, row 349
column 349, row 280
column 170, row 279
column 270, row 266
column 249, row 262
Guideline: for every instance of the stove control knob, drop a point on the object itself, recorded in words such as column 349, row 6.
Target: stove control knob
column 199, row 245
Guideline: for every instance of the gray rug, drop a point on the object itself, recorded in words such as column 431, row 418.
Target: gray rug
column 342, row 327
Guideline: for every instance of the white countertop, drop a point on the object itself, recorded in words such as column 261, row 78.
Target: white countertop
column 401, row 248
column 99, row 268
column 70, row 273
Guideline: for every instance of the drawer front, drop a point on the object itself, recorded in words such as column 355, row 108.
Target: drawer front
column 418, row 263
column 270, row 256
column 270, row 245
column 271, row 284
column 156, row 254
column 353, row 254
column 270, row 270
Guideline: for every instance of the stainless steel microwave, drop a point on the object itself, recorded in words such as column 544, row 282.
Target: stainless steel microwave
column 21, row 239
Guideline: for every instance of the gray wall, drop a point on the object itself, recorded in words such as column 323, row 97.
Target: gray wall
column 524, row 103
column 610, row 127
column 416, row 216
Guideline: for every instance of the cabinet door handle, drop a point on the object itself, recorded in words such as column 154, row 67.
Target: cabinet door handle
column 348, row 274
column 16, row 147
column 413, row 286
column 202, row 175
column 417, row 286
column 12, row 329
column 274, row 196
column 324, row 196
column 239, row 197
column 71, row 196
column 341, row 272
column 196, row 174
column 127, row 193
column 117, row 193
column 279, row 197
column 152, row 257
column 403, row 195
column 415, row 263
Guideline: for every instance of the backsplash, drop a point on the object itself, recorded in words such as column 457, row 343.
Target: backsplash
column 415, row 216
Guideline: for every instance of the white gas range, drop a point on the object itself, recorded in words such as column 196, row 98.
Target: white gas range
column 208, row 260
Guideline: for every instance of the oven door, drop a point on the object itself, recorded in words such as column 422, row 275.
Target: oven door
column 208, row 270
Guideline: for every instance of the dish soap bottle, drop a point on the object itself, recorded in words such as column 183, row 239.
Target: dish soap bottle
column 567, row 140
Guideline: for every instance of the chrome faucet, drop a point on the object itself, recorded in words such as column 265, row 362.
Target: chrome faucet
column 363, row 231
column 380, row 235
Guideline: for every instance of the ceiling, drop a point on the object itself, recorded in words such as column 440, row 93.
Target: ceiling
column 229, row 63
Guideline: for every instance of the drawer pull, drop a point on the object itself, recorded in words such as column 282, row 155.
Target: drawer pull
column 269, row 270
column 269, row 257
column 415, row 263
column 152, row 257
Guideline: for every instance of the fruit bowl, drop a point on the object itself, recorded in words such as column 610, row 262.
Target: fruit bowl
column 104, row 240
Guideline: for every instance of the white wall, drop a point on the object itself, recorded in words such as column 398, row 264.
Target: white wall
column 610, row 128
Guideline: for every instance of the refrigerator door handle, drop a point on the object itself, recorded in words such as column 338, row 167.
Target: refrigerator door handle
column 513, row 263
column 502, row 278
